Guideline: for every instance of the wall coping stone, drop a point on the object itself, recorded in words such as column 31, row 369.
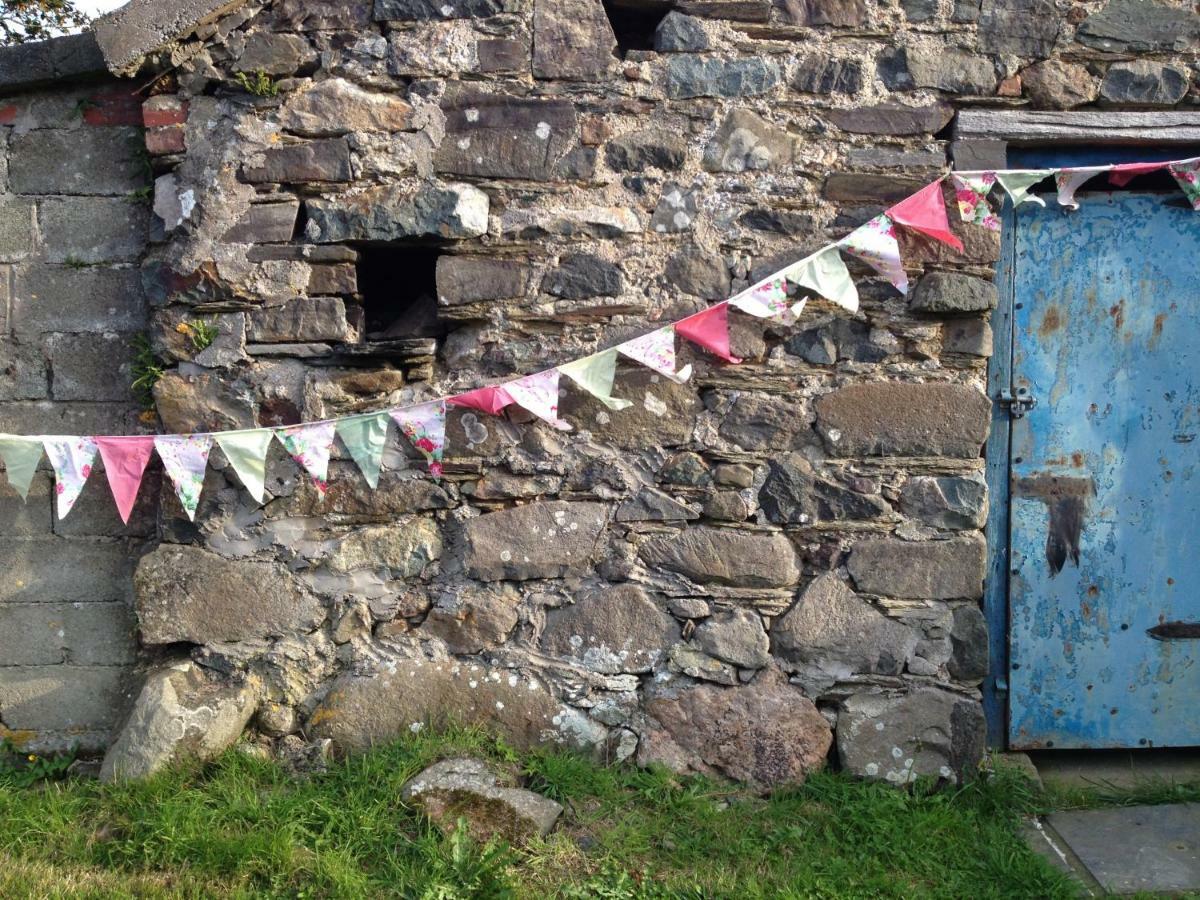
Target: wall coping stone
column 126, row 35
column 23, row 66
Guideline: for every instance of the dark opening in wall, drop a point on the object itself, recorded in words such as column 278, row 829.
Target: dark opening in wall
column 398, row 286
column 635, row 21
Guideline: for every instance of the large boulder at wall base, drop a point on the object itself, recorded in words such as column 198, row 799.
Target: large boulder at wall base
column 766, row 733
column 405, row 696
column 183, row 712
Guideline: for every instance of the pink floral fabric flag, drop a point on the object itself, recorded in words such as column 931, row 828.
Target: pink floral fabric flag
column 925, row 211
column 125, row 460
column 538, row 393
column 875, row 244
column 656, row 351
column 971, row 191
column 764, row 300
column 1123, row 173
column 185, row 457
column 709, row 329
column 1187, row 175
column 72, row 459
column 425, row 428
column 1068, row 181
column 310, row 446
column 490, row 400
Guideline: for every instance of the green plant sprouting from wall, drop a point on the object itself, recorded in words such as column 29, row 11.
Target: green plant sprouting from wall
column 147, row 370
column 201, row 334
column 258, row 83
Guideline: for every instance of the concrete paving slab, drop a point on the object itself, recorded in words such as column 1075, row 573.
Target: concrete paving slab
column 1136, row 848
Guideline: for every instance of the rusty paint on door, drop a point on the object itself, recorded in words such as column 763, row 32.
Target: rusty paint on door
column 1104, row 586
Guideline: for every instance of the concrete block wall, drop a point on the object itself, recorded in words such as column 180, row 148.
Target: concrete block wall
column 74, row 223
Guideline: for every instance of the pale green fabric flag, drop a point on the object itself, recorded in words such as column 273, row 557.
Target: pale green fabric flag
column 1017, row 184
column 364, row 437
column 247, row 453
column 21, row 456
column 596, row 374
column 825, row 273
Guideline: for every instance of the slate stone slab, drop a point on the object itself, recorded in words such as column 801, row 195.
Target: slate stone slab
column 1138, row 848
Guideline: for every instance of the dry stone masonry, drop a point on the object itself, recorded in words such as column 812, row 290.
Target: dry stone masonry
column 364, row 204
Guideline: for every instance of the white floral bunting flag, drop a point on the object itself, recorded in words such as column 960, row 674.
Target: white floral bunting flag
column 72, row 459
column 310, row 446
column 1187, row 175
column 425, row 428
column 596, row 374
column 247, row 453
column 1018, row 184
column 538, row 393
column 1068, row 181
column 826, row 275
column 970, row 192
column 875, row 244
column 765, row 300
column 185, row 457
column 656, row 351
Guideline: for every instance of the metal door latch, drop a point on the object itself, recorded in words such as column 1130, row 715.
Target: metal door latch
column 1017, row 404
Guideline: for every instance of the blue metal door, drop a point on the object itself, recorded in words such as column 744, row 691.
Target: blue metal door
column 1104, row 565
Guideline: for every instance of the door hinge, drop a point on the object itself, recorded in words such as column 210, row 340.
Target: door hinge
column 1017, row 404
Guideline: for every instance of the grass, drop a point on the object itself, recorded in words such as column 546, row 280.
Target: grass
column 241, row 827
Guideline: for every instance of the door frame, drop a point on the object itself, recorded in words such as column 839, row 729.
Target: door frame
column 1019, row 138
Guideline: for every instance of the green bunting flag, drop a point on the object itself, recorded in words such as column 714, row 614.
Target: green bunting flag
column 825, row 273
column 596, row 374
column 247, row 453
column 1017, row 184
column 21, row 456
column 364, row 437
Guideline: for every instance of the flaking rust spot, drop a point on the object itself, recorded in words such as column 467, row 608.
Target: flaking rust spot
column 1051, row 322
column 1067, row 501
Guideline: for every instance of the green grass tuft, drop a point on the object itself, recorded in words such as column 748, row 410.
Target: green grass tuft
column 243, row 827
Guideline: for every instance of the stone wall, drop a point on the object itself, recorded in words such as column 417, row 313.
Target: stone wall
column 74, row 223
column 378, row 203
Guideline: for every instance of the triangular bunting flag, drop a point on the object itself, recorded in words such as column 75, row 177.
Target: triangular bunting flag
column 490, row 400
column 1017, row 185
column 709, row 329
column 310, row 446
column 656, row 351
column 365, row 437
column 970, row 192
column 425, row 428
column 875, row 244
column 1187, row 174
column 1068, row 181
column 247, row 453
column 765, row 300
column 538, row 393
column 185, row 457
column 925, row 211
column 1122, row 174
column 72, row 458
column 21, row 456
column 596, row 374
column 125, row 460
column 826, row 275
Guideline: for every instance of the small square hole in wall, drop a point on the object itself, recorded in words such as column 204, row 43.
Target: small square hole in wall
column 634, row 22
column 398, row 286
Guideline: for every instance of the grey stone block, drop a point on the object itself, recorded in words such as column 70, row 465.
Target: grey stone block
column 423, row 10
column 63, row 299
column 392, row 213
column 81, row 634
column 62, row 571
column 275, row 54
column 467, row 279
column 505, row 137
column 541, row 540
column 28, row 518
column 953, row 292
column 23, row 372
column 16, row 228
column 95, row 514
column 1136, row 26
column 93, row 229
column 302, row 319
column 45, row 417
column 725, row 556
column 695, row 76
column 1143, row 82
column 25, row 65
column 320, row 160
column 91, row 366
column 71, row 699
column 927, row 570
column 99, row 161
column 265, row 223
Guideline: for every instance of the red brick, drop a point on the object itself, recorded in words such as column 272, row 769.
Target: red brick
column 115, row 106
column 8, row 114
column 160, row 141
column 164, row 110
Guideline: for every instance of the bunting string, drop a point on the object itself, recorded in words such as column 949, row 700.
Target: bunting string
column 781, row 294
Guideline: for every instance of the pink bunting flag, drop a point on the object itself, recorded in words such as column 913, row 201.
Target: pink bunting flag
column 490, row 400
column 709, row 329
column 1122, row 174
column 925, row 211
column 538, row 393
column 425, row 428
column 72, row 459
column 125, row 460
column 184, row 458
column 311, row 446
column 875, row 244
